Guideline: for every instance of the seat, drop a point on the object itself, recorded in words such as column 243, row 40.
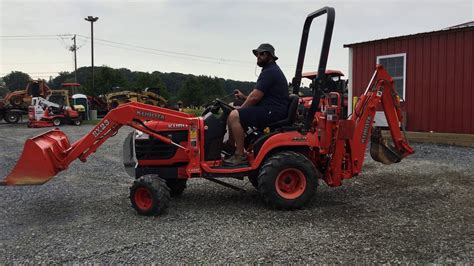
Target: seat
column 291, row 116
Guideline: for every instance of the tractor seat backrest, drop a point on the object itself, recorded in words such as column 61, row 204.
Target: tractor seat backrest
column 291, row 115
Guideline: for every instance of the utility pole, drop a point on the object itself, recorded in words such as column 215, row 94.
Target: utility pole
column 74, row 49
column 92, row 20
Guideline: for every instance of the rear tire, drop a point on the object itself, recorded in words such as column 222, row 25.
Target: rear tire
column 253, row 178
column 150, row 196
column 176, row 186
column 77, row 122
column 288, row 180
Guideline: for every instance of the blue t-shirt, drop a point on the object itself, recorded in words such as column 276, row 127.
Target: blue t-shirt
column 273, row 84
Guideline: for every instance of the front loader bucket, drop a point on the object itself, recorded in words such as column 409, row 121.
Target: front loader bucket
column 40, row 161
column 381, row 151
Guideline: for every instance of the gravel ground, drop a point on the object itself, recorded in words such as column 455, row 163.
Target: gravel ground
column 417, row 211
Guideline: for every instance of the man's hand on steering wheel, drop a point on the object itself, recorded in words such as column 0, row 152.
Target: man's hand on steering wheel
column 216, row 106
column 239, row 95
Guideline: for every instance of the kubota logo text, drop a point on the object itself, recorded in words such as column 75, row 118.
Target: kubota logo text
column 365, row 133
column 151, row 115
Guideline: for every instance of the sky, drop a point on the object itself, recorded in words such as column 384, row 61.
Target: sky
column 212, row 38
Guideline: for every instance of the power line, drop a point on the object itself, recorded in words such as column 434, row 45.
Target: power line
column 56, row 72
column 30, row 39
column 174, row 56
column 43, row 35
column 34, row 63
column 169, row 52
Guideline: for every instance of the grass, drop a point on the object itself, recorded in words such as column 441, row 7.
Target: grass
column 90, row 122
column 195, row 112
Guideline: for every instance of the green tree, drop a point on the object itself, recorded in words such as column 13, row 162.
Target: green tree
column 197, row 91
column 62, row 77
column 16, row 80
column 105, row 79
column 190, row 94
column 3, row 89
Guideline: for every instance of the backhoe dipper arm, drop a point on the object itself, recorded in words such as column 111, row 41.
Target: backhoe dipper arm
column 46, row 155
column 379, row 90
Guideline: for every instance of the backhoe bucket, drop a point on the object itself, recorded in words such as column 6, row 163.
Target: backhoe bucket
column 381, row 151
column 40, row 161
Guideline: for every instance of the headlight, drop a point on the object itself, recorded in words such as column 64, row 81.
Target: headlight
column 141, row 135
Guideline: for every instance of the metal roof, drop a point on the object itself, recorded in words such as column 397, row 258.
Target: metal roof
column 452, row 28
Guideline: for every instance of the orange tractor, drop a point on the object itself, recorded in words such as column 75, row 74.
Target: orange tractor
column 286, row 160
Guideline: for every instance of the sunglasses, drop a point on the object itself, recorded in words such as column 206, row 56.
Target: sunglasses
column 261, row 53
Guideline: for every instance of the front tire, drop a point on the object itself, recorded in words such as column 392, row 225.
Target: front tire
column 150, row 196
column 288, row 180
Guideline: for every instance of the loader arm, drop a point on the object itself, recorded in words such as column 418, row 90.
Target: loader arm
column 44, row 156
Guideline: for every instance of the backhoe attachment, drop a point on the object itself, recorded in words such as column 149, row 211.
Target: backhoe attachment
column 379, row 92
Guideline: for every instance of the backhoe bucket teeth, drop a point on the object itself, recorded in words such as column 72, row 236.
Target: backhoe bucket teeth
column 381, row 151
column 40, row 160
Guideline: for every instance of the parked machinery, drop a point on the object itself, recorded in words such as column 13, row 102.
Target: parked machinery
column 22, row 98
column 16, row 103
column 43, row 113
column 148, row 96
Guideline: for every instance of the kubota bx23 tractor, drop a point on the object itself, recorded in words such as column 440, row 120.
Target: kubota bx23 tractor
column 286, row 160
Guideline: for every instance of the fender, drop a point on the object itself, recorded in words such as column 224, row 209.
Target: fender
column 290, row 138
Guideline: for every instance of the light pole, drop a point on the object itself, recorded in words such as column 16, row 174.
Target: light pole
column 92, row 20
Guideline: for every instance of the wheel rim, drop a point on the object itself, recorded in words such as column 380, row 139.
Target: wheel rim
column 143, row 198
column 17, row 101
column 56, row 122
column 11, row 118
column 290, row 183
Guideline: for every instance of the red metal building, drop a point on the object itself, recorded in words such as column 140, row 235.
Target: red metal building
column 433, row 73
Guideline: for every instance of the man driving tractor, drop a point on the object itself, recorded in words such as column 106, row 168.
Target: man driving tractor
column 266, row 103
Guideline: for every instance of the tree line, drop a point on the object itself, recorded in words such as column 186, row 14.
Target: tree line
column 190, row 89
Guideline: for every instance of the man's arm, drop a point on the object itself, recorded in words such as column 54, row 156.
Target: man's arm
column 254, row 97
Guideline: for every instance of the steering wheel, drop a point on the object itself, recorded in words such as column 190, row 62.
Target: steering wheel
column 218, row 104
column 226, row 108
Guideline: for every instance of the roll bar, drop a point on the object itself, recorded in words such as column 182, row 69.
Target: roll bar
column 323, row 59
column 320, row 81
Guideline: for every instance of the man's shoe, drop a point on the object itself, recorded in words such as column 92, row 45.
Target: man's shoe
column 236, row 160
column 228, row 149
